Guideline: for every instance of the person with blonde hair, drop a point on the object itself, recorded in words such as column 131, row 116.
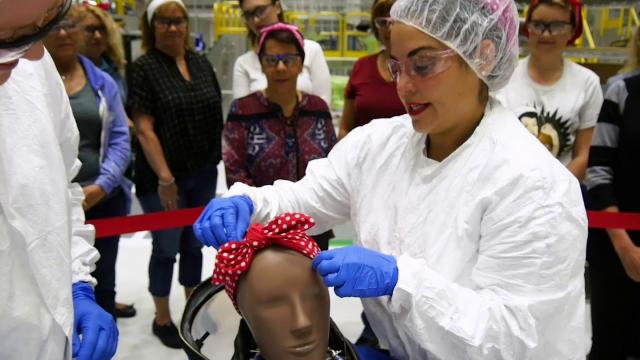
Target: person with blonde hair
column 632, row 65
column 102, row 44
column 176, row 105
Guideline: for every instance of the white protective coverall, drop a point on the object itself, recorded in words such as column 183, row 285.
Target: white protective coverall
column 490, row 243
column 44, row 244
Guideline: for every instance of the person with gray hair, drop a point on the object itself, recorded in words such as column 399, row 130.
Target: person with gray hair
column 470, row 237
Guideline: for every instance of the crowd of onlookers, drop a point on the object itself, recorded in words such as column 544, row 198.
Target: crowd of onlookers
column 168, row 113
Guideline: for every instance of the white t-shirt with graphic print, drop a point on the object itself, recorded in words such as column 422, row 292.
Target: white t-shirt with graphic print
column 555, row 113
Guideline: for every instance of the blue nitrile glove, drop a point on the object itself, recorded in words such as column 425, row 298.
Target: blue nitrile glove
column 354, row 271
column 224, row 220
column 97, row 327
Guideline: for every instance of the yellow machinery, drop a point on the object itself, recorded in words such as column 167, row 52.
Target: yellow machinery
column 327, row 27
column 227, row 19
column 356, row 43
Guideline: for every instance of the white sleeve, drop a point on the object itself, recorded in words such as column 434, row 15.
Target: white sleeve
column 319, row 73
column 83, row 254
column 528, row 277
column 324, row 193
column 241, row 81
column 593, row 103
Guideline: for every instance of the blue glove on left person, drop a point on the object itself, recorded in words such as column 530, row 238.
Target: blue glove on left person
column 97, row 327
column 354, row 271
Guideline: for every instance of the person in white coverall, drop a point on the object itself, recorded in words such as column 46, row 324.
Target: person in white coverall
column 47, row 306
column 470, row 236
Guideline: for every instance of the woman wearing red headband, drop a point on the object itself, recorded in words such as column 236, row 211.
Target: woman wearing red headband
column 556, row 99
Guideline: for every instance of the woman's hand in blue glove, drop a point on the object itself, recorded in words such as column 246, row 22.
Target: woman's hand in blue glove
column 224, row 220
column 97, row 327
column 354, row 271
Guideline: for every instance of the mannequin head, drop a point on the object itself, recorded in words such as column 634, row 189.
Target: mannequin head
column 269, row 278
column 285, row 304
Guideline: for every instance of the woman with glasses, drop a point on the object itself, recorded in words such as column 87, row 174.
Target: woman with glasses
column 47, row 299
column 371, row 93
column 175, row 102
column 557, row 100
column 103, row 45
column 248, row 77
column 273, row 134
column 470, row 237
column 104, row 142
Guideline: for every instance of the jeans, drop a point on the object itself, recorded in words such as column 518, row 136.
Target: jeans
column 105, row 272
column 194, row 191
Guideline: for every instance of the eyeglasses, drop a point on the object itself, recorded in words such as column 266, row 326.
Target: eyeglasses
column 383, row 22
column 259, row 12
column 426, row 63
column 66, row 25
column 90, row 30
column 272, row 60
column 165, row 23
column 27, row 40
column 554, row 27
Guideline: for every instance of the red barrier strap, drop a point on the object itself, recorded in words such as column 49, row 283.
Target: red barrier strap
column 610, row 220
column 152, row 222
column 186, row 217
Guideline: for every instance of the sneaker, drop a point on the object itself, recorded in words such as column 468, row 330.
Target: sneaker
column 126, row 311
column 168, row 334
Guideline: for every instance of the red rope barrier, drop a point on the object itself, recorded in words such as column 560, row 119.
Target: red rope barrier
column 186, row 217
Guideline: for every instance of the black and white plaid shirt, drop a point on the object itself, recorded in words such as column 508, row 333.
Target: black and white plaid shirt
column 187, row 114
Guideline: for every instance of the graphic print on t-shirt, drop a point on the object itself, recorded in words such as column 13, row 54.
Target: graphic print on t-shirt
column 549, row 127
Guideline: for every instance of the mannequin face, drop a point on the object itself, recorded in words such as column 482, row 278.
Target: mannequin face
column 286, row 305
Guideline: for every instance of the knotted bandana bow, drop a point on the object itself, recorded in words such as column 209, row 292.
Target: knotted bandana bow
column 234, row 258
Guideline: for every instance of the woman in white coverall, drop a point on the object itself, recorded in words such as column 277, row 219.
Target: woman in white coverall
column 470, row 235
column 47, row 306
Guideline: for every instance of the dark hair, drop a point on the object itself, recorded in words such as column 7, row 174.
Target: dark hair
column 253, row 38
column 380, row 8
column 283, row 37
column 148, row 35
column 564, row 4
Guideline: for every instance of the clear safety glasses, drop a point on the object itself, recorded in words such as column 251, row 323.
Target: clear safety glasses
column 554, row 27
column 14, row 49
column 424, row 64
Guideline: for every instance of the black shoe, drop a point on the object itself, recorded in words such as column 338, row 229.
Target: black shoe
column 127, row 311
column 168, row 334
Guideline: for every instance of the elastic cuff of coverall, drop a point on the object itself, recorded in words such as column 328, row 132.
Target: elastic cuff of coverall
column 82, row 290
column 408, row 283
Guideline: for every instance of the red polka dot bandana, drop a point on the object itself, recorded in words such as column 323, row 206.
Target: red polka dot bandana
column 234, row 258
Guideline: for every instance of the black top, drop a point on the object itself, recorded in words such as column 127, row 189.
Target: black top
column 613, row 174
column 187, row 114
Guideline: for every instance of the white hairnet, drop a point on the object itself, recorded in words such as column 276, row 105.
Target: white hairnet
column 463, row 25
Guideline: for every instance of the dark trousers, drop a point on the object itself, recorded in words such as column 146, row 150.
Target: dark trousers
column 105, row 272
column 194, row 191
column 615, row 312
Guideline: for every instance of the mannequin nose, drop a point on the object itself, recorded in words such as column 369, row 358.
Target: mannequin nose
column 300, row 319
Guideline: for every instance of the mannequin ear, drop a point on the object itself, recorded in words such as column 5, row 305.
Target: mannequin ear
column 486, row 57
